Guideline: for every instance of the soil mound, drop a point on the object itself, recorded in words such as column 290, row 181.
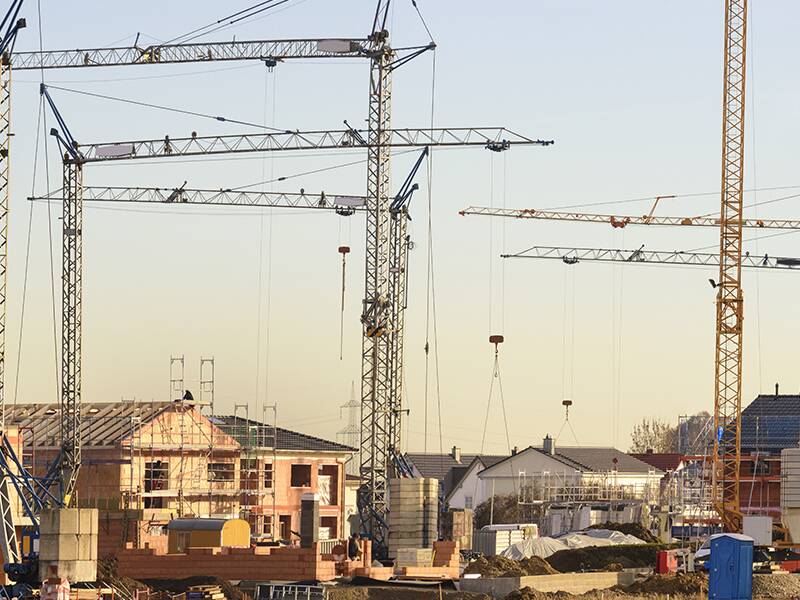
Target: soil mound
column 634, row 529
column 602, row 558
column 680, row 583
column 500, row 566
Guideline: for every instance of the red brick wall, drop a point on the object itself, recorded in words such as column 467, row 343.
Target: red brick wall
column 290, row 564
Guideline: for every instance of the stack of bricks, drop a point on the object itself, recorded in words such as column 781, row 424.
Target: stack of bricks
column 287, row 564
column 445, row 564
column 413, row 513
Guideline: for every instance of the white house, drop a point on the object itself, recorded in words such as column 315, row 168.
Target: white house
column 556, row 474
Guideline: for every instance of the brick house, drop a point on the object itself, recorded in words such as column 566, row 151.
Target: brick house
column 145, row 463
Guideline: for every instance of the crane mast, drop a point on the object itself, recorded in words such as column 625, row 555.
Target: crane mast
column 378, row 365
column 730, row 301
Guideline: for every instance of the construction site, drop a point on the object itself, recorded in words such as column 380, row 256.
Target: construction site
column 331, row 433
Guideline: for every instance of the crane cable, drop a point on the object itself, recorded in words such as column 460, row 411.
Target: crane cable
column 219, row 118
column 41, row 123
column 231, row 19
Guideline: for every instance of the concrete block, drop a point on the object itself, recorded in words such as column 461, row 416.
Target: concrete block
column 77, row 571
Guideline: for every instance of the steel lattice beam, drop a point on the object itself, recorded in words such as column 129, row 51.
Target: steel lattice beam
column 730, row 301
column 619, row 221
column 700, row 259
column 303, row 140
column 190, row 53
column 343, row 204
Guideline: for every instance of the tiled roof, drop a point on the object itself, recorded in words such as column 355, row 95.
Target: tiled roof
column 602, row 459
column 771, row 422
column 250, row 431
column 436, row 465
column 660, row 460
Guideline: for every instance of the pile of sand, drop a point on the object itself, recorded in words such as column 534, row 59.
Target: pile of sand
column 500, row 566
column 634, row 529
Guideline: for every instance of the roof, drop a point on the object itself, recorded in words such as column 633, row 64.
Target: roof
column 602, row 459
column 664, row 461
column 590, row 459
column 252, row 432
column 102, row 423
column 436, row 466
column 197, row 524
column 771, row 422
column 108, row 423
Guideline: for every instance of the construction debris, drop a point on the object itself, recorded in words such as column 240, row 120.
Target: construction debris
column 500, row 566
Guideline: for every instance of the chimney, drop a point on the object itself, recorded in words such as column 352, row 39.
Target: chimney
column 455, row 454
column 549, row 446
column 776, row 390
column 514, row 450
column 649, row 451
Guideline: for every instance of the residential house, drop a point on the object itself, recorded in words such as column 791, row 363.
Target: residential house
column 145, row 463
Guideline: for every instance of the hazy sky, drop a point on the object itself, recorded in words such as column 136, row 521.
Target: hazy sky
column 629, row 90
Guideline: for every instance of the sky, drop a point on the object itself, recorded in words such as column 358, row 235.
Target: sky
column 631, row 93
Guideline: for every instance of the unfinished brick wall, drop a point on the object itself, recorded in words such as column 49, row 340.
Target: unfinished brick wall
column 290, row 564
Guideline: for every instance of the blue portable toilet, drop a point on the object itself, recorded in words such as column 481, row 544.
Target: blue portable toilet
column 730, row 567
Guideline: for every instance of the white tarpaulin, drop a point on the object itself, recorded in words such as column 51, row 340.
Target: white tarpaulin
column 545, row 546
column 598, row 537
column 541, row 547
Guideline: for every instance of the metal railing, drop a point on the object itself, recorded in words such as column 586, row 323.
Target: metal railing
column 267, row 591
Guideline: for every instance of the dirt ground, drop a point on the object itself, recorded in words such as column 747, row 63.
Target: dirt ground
column 178, row 586
column 499, row 566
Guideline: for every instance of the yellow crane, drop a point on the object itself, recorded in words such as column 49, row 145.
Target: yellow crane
column 730, row 301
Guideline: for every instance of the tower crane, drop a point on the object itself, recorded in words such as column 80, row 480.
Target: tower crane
column 726, row 461
column 268, row 51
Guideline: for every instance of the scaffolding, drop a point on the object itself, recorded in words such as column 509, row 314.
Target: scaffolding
column 350, row 434
column 258, row 457
column 573, row 487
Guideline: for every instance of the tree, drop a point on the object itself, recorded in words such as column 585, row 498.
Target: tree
column 506, row 510
column 653, row 434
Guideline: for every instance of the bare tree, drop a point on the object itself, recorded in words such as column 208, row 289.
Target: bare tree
column 655, row 435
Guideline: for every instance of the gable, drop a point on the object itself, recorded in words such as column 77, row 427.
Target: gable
column 530, row 460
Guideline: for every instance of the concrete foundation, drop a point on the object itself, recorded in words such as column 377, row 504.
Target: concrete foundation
column 68, row 544
column 573, row 583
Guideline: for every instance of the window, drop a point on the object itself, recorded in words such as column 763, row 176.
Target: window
column 268, row 476
column 220, row 471
column 156, row 479
column 467, row 501
column 759, row 467
column 285, row 522
column 266, row 526
column 301, row 475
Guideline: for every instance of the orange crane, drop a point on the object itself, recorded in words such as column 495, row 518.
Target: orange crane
column 730, row 301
